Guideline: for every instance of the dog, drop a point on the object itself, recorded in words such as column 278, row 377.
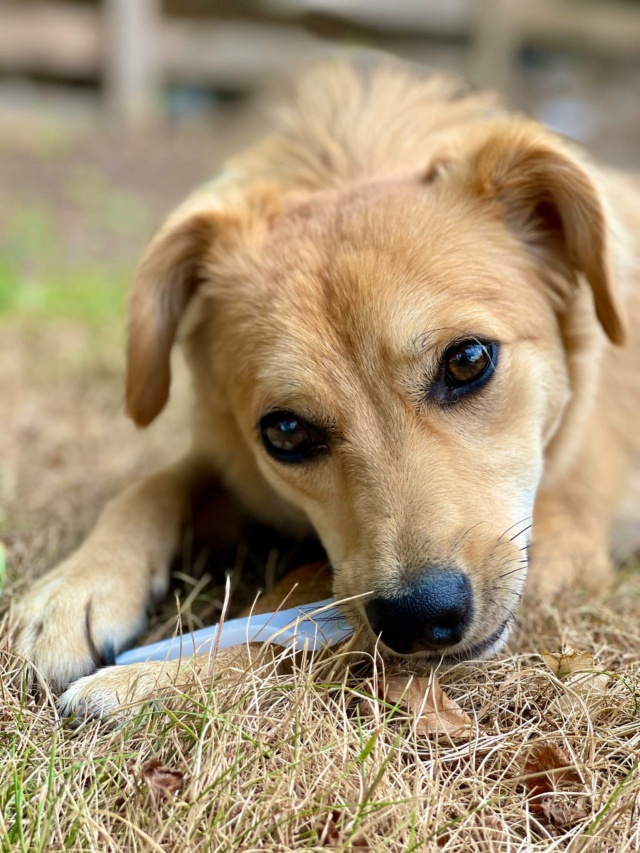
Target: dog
column 407, row 313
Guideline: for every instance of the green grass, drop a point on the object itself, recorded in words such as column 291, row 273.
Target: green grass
column 43, row 274
column 88, row 294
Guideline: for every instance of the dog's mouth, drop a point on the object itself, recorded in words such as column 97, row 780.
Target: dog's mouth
column 487, row 648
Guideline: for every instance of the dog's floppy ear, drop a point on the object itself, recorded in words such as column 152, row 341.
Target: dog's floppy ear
column 165, row 281
column 213, row 224
column 552, row 204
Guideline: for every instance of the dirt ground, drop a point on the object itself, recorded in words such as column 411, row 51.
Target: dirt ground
column 318, row 768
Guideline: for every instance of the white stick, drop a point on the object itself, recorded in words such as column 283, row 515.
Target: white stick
column 311, row 625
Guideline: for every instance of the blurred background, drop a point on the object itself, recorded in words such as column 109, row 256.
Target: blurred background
column 112, row 110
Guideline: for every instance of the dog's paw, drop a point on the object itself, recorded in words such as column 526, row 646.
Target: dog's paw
column 591, row 573
column 118, row 691
column 77, row 618
column 115, row 691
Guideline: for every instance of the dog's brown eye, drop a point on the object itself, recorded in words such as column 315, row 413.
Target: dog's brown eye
column 289, row 438
column 466, row 366
column 465, row 363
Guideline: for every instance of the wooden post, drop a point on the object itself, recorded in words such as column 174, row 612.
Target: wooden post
column 495, row 41
column 132, row 75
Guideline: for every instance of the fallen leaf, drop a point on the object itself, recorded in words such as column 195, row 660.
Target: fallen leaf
column 586, row 690
column 329, row 830
column 436, row 712
column 546, row 770
column 587, row 686
column 567, row 662
column 562, row 812
column 162, row 778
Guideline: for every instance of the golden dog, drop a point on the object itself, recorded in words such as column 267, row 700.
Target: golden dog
column 404, row 314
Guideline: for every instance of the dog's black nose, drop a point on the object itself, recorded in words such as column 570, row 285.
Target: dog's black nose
column 431, row 613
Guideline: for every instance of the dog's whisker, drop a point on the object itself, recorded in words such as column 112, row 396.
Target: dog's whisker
column 527, row 528
column 464, row 535
column 513, row 592
column 515, row 524
column 514, row 571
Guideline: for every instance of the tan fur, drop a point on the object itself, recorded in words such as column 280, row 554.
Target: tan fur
column 325, row 272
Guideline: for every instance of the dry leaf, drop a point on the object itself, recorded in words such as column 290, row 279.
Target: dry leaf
column 567, row 662
column 330, row 829
column 162, row 778
column 576, row 668
column 586, row 690
column 437, row 713
column 562, row 812
column 547, row 770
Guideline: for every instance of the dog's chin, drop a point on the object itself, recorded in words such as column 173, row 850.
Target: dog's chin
column 487, row 648
column 482, row 650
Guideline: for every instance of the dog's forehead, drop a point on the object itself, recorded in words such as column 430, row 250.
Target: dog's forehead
column 380, row 266
column 357, row 290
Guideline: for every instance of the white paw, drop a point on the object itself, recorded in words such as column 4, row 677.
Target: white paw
column 115, row 690
column 118, row 691
column 79, row 618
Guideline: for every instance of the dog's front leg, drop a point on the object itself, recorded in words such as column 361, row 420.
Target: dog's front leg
column 572, row 521
column 120, row 690
column 80, row 615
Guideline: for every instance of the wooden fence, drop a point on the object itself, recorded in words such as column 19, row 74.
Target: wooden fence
column 133, row 48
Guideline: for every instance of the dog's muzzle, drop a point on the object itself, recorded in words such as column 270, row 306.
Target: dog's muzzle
column 431, row 613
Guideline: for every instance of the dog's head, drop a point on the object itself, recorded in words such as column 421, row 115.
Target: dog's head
column 394, row 358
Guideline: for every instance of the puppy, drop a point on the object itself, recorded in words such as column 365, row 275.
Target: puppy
column 404, row 313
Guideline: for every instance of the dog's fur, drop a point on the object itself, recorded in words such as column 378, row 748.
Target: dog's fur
column 325, row 272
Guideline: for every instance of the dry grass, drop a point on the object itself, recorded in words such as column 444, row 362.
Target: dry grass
column 316, row 759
